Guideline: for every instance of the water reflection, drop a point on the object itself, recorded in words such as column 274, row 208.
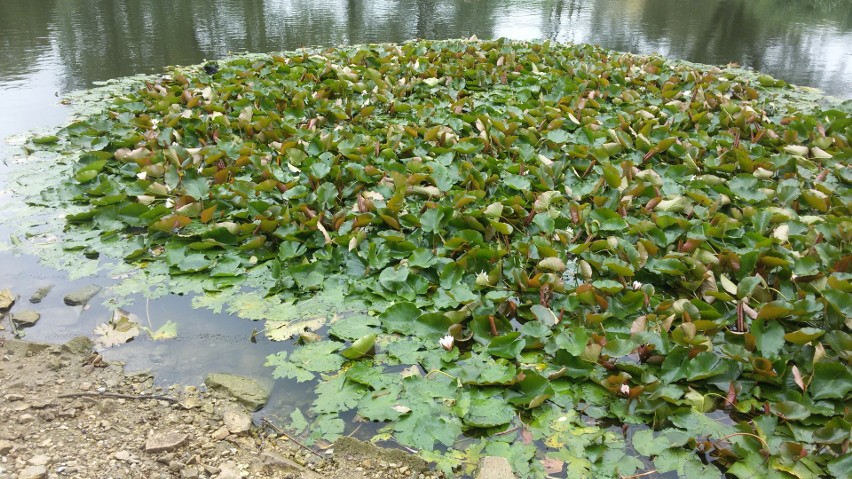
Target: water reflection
column 805, row 41
column 99, row 39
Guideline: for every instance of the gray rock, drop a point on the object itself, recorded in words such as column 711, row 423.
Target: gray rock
column 494, row 467
column 237, row 422
column 40, row 294
column 33, row 472
column 81, row 345
column 82, row 295
column 5, row 447
column 249, row 392
column 7, row 299
column 26, row 318
column 163, row 442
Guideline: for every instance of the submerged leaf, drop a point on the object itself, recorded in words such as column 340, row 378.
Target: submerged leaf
column 122, row 328
column 166, row 331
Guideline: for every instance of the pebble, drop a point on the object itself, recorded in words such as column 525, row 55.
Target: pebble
column 33, row 472
column 5, row 447
column 39, row 460
column 25, row 418
column 189, row 473
column 162, row 442
column 220, row 433
column 26, row 318
column 280, row 462
column 237, row 422
column 82, row 295
column 229, row 471
column 40, row 294
column 7, row 299
column 122, row 455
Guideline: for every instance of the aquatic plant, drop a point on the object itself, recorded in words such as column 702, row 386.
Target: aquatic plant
column 592, row 263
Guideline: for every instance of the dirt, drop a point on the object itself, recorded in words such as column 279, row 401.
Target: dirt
column 65, row 412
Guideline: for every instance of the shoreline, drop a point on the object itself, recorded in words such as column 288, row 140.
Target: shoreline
column 68, row 413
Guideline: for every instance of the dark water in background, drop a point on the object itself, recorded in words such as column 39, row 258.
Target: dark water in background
column 49, row 47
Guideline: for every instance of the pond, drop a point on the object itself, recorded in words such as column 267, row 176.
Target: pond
column 53, row 47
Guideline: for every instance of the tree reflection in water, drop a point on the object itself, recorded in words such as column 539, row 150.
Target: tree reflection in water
column 803, row 41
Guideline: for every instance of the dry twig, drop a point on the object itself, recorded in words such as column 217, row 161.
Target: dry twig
column 119, row 396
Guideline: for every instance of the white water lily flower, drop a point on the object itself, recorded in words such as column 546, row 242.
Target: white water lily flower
column 637, row 285
column 447, row 342
column 625, row 389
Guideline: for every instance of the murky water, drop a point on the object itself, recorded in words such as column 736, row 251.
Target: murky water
column 50, row 47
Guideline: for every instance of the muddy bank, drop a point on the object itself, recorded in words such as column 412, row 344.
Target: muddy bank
column 67, row 413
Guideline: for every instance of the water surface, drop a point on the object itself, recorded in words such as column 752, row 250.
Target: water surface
column 50, row 47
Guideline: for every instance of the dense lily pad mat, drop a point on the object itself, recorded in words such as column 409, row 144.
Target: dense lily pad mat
column 518, row 245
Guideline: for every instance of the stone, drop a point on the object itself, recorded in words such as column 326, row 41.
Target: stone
column 7, row 299
column 189, row 473
column 163, row 442
column 79, row 346
column 122, row 455
column 249, row 392
column 33, row 472
column 237, row 422
column 228, row 470
column 40, row 294
column 82, row 295
column 494, row 467
column 280, row 462
column 25, row 418
column 5, row 447
column 220, row 433
column 39, row 460
column 26, row 318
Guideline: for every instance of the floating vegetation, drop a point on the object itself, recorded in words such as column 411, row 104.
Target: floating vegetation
column 592, row 263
